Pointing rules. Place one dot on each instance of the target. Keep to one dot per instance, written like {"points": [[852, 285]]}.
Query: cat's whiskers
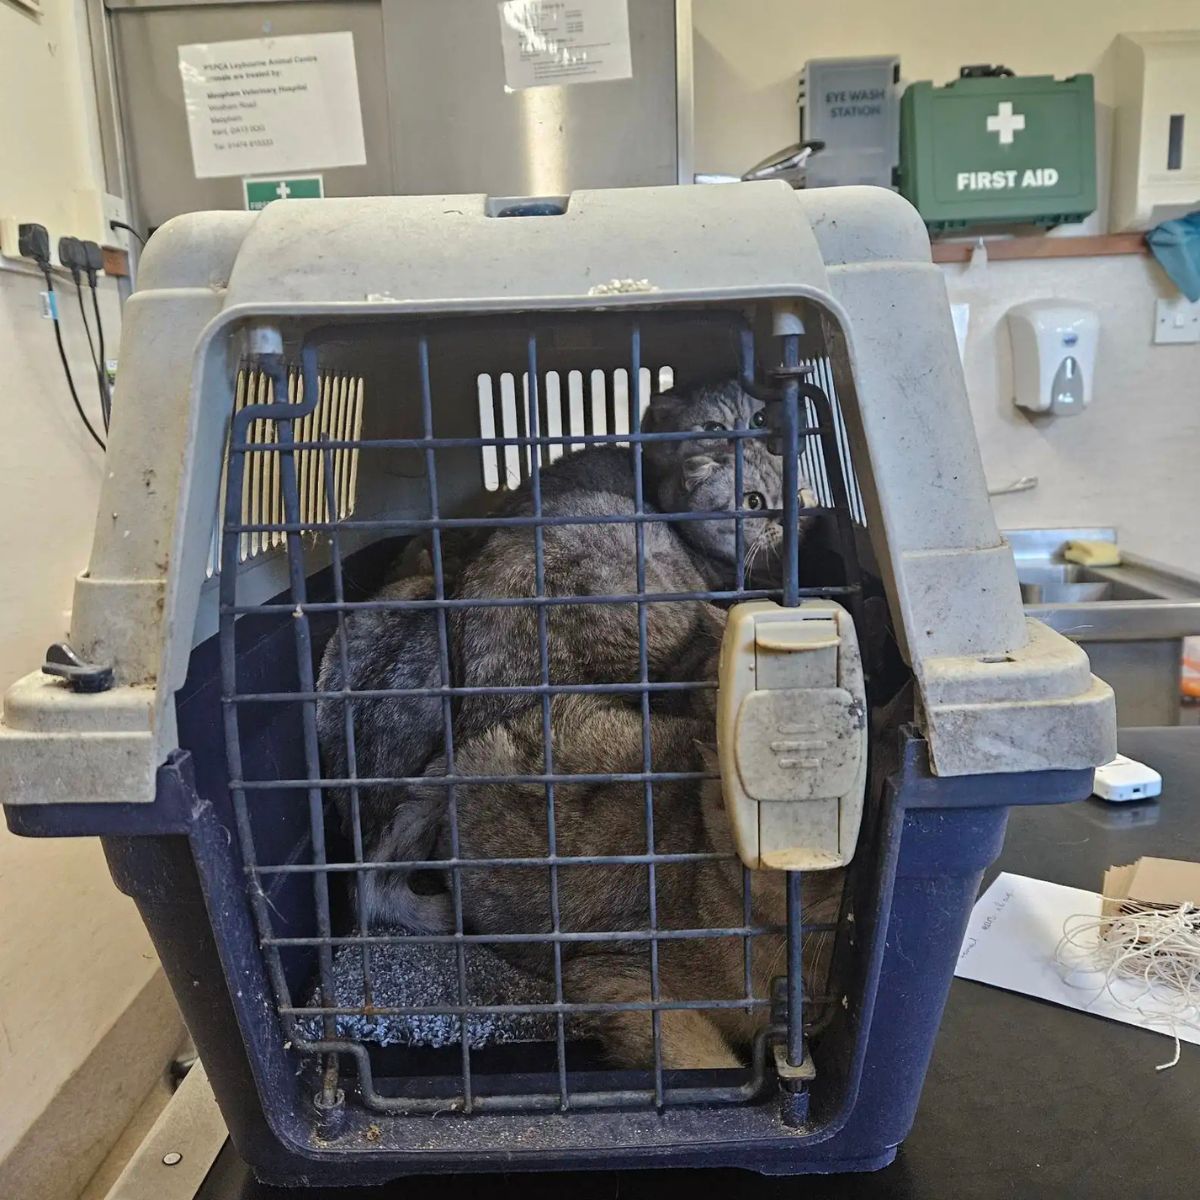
{"points": [[756, 546]]}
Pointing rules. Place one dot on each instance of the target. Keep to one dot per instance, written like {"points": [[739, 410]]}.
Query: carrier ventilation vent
{"points": [[336, 418], [812, 464], [593, 402], [597, 402]]}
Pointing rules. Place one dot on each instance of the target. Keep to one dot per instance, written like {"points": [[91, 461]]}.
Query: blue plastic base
{"points": [[917, 887]]}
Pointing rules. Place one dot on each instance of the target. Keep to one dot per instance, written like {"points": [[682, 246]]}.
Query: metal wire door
{"points": [[802, 426]]}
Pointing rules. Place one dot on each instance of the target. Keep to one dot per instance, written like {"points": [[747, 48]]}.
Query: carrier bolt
{"points": [[264, 339], [793, 1078], [172, 1159], [324, 1105], [332, 1113], [786, 321]]}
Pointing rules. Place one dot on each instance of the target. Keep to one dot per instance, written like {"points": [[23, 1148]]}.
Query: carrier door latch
{"points": [[792, 734]]}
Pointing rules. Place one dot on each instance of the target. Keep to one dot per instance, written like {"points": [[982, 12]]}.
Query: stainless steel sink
{"points": [[1070, 583], [1131, 619]]}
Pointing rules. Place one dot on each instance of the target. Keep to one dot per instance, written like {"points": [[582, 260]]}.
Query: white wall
{"points": [[749, 53], [1131, 460], [51, 468], [76, 966], [49, 143]]}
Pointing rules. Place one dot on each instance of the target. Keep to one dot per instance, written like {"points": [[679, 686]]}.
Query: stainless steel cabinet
{"points": [[437, 117]]}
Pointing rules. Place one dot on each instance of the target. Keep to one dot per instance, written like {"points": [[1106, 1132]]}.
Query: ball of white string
{"points": [[1156, 948]]}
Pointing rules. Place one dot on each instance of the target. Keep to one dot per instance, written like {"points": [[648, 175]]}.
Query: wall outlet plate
{"points": [[1176, 321], [9, 237], [114, 210]]}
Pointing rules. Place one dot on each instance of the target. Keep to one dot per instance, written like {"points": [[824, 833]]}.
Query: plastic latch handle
{"points": [[792, 734]]}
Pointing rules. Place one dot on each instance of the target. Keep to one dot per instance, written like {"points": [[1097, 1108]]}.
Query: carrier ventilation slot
{"points": [[337, 417], [591, 403], [811, 461], [598, 403]]}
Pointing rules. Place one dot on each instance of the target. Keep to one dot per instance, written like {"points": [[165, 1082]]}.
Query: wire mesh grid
{"points": [[802, 427]]}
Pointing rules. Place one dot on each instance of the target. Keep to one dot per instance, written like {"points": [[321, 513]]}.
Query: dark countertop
{"points": [[1023, 1099]]}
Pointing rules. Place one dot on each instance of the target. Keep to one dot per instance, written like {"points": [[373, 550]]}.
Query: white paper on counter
{"points": [[551, 42], [1011, 941], [263, 106]]}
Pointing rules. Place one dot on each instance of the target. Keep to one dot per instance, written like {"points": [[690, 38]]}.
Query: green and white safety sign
{"points": [[259, 193]]}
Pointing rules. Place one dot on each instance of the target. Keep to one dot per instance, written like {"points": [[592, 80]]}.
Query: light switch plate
{"points": [[1176, 321]]}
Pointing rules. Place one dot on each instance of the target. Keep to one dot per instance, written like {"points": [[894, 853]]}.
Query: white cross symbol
{"points": [[1005, 122], [283, 191]]}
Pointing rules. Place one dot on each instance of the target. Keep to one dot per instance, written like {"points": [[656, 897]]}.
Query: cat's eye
{"points": [[759, 419], [755, 500], [713, 427]]}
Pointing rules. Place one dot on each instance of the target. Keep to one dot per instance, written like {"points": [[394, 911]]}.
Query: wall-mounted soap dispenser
{"points": [[1053, 354]]}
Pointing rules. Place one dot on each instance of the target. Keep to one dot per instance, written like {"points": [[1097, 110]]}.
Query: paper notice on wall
{"points": [[551, 42], [265, 106]]}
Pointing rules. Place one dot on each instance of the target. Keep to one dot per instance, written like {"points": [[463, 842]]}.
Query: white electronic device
{"points": [[1126, 779]]}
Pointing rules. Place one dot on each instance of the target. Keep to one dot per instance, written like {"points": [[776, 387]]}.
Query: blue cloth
{"points": [[1176, 245]]}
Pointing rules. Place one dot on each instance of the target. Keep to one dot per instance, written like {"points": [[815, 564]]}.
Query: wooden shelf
{"points": [[1041, 246]]}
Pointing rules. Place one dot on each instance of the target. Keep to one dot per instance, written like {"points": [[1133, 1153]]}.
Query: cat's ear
{"points": [[697, 469], [424, 563], [664, 413]]}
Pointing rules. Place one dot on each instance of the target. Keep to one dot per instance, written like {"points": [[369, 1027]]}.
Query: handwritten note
{"points": [[1011, 940], [266, 106]]}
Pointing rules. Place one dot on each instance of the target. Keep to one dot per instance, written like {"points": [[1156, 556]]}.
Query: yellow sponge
{"points": [[1092, 553]]}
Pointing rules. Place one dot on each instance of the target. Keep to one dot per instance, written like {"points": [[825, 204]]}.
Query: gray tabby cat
{"points": [[393, 737], [588, 643], [599, 642], [508, 820]]}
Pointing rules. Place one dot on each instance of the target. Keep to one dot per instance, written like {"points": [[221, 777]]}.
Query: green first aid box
{"points": [[999, 150]]}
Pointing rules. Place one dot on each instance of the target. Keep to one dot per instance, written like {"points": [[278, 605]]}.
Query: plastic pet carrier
{"points": [[722, 714]]}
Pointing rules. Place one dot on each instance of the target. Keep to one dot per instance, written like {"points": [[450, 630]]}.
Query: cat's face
{"points": [[700, 476]]}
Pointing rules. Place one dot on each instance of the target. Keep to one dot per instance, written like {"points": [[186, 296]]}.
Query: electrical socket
{"points": [[10, 242], [1176, 321]]}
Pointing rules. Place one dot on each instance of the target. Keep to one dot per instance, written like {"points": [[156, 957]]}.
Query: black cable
{"points": [[100, 387], [87, 328], [107, 395], [62, 354], [128, 229]]}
